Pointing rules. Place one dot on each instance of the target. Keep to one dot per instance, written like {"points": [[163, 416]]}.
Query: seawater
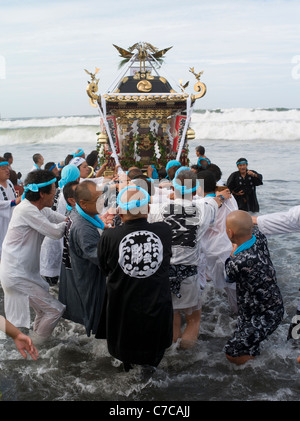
{"points": [[73, 367]]}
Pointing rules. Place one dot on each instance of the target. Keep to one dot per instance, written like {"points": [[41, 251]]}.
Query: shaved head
{"points": [[133, 194], [240, 223], [84, 191]]}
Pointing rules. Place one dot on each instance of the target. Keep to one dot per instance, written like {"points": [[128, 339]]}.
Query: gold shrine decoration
{"points": [[199, 86], [142, 75], [92, 87], [144, 51], [182, 87], [144, 86], [190, 134], [117, 97], [90, 90], [145, 143], [103, 138], [143, 114], [197, 75]]}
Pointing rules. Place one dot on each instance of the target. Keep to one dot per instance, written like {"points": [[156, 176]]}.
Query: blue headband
{"points": [[133, 203], [183, 189], [242, 162], [68, 173], [51, 168], [79, 153], [4, 163], [35, 187], [154, 173]]}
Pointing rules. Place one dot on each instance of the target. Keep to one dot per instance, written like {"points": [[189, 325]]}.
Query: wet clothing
{"points": [[260, 304], [188, 221], [215, 250], [216, 246], [280, 222], [82, 282], [68, 292], [51, 250], [248, 201], [20, 268], [138, 321]]}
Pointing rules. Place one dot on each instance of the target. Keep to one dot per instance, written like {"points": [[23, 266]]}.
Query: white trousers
{"points": [[48, 312]]}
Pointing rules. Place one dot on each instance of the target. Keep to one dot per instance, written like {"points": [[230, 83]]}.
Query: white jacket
{"points": [[20, 262]]}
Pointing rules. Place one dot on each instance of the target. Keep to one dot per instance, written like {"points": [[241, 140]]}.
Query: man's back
{"points": [[255, 277], [138, 321], [88, 281], [188, 222]]}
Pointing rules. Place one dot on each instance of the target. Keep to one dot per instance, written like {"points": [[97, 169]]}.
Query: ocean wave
{"points": [[68, 121], [247, 124], [235, 124], [252, 114], [49, 135]]}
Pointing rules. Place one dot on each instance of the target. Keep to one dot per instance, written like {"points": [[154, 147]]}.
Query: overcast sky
{"points": [[249, 50]]}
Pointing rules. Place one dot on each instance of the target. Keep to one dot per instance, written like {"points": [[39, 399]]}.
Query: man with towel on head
{"points": [[242, 184], [85, 170], [22, 283], [137, 317]]}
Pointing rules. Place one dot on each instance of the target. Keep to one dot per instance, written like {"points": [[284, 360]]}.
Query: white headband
{"points": [[76, 161]]}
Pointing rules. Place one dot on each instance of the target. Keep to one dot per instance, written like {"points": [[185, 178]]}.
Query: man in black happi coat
{"points": [[242, 184], [137, 319]]}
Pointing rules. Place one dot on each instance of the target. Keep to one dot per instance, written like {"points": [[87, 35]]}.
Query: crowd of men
{"points": [[131, 254]]}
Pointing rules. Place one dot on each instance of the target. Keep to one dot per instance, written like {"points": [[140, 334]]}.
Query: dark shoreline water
{"points": [[76, 368]]}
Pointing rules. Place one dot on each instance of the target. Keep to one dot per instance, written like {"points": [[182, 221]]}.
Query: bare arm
{"points": [[101, 170], [23, 342]]}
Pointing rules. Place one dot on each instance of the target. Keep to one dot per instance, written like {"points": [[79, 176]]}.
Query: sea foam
{"points": [[236, 124], [247, 124]]}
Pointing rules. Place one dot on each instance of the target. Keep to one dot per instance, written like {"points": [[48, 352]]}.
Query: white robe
{"points": [[6, 209], [98, 180], [20, 263], [217, 247], [160, 195], [280, 222], [51, 250], [206, 212], [184, 254], [34, 168]]}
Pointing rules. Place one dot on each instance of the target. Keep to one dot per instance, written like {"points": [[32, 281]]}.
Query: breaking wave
{"points": [[241, 124], [245, 124]]}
